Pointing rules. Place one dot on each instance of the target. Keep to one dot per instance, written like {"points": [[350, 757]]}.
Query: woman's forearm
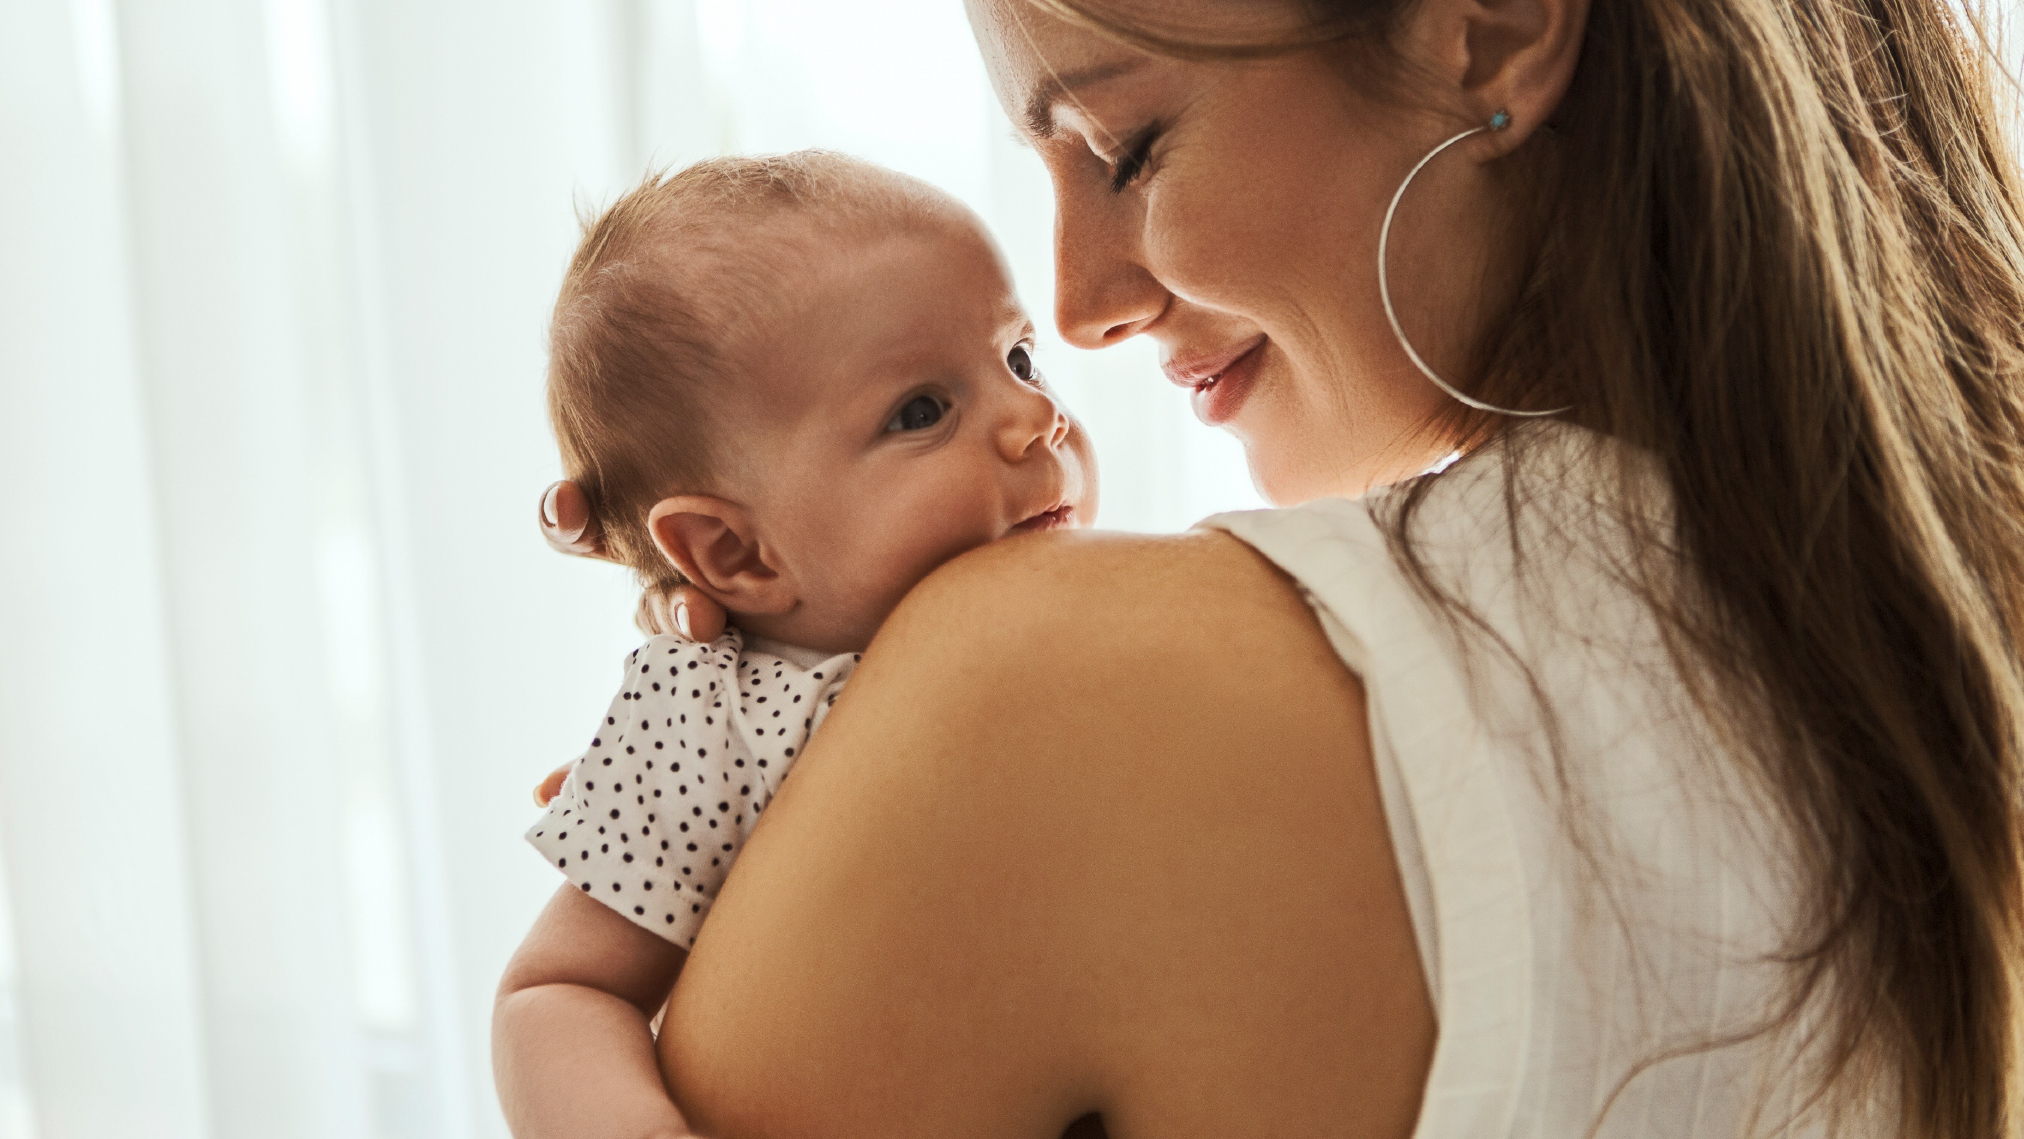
{"points": [[573, 1062]]}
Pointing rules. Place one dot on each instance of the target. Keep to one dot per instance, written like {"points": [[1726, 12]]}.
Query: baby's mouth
{"points": [[1058, 517]]}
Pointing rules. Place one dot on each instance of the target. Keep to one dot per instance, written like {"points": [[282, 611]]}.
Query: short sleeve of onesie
{"points": [[692, 749]]}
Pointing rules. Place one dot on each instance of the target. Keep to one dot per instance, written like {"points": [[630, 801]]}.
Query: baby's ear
{"points": [[715, 545]]}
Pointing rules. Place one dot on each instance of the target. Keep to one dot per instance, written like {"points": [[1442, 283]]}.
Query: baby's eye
{"points": [[1020, 360], [917, 414]]}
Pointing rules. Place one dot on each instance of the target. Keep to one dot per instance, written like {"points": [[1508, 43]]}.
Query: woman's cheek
{"points": [[1208, 244], [1189, 259]]}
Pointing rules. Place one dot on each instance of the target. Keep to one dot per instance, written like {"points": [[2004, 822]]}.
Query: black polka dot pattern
{"points": [[694, 747]]}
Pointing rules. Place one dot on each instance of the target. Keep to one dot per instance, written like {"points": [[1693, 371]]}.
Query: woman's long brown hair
{"points": [[1782, 254]]}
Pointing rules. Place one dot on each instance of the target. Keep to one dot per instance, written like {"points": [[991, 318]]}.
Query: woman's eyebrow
{"points": [[1040, 105]]}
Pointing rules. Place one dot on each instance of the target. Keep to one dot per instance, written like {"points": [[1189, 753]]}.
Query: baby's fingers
{"points": [[550, 787]]}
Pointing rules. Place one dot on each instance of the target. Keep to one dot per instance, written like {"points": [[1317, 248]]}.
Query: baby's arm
{"points": [[652, 816], [571, 1050]]}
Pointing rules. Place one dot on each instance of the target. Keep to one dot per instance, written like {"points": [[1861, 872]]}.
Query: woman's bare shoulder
{"points": [[1084, 599], [1094, 827]]}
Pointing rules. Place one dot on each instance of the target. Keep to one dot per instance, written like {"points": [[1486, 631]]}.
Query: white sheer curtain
{"points": [[280, 652]]}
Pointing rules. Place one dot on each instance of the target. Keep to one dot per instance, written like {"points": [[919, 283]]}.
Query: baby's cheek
{"points": [[940, 536], [915, 535]]}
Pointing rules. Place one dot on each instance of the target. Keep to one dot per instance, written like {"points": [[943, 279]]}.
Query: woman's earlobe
{"points": [[715, 544]]}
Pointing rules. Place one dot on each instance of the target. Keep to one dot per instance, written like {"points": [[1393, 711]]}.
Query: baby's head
{"points": [[801, 383]]}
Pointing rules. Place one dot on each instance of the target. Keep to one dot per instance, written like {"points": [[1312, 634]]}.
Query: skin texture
{"points": [[1095, 826]]}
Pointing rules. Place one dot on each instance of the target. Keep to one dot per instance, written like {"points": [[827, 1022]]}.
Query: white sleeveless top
{"points": [[1592, 928]]}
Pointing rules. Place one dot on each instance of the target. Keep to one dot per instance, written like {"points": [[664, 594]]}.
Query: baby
{"points": [[798, 384]]}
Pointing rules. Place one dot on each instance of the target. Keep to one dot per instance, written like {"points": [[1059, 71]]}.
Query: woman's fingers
{"points": [[682, 611], [654, 617], [570, 526], [550, 787], [697, 616], [567, 522]]}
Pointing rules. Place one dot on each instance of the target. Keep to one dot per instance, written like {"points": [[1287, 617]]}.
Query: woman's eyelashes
{"points": [[1132, 162]]}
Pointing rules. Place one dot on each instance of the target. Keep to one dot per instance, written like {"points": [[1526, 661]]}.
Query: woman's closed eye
{"points": [[1132, 162], [918, 413]]}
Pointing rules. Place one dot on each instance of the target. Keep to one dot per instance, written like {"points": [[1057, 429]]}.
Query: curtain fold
{"points": [[110, 1028]]}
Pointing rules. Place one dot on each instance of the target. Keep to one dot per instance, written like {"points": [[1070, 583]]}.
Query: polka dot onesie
{"points": [[692, 749]]}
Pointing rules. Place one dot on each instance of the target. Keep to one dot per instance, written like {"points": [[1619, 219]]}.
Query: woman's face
{"points": [[1230, 210]]}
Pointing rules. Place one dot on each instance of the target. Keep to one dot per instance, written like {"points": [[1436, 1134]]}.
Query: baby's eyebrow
{"points": [[1015, 315]]}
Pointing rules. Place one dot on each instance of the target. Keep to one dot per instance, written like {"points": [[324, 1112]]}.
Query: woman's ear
{"points": [[1522, 55], [714, 543], [1515, 56]]}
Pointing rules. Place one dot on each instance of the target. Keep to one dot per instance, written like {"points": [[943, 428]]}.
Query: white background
{"points": [[280, 651]]}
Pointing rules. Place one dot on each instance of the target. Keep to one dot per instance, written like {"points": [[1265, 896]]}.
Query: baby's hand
{"points": [[550, 787]]}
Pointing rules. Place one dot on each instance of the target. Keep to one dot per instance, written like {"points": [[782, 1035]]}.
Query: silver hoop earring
{"points": [[1497, 122]]}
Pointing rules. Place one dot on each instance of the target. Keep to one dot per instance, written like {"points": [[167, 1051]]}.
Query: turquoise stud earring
{"points": [[1500, 120]]}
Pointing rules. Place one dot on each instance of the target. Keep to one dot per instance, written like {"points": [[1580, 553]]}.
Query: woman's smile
{"points": [[1219, 381]]}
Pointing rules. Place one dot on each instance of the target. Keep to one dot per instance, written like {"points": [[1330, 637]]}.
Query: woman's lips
{"points": [[1220, 382]]}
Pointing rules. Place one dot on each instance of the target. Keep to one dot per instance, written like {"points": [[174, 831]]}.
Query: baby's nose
{"points": [[1034, 422]]}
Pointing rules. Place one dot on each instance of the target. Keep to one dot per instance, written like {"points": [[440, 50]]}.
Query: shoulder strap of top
{"points": [[1453, 801]]}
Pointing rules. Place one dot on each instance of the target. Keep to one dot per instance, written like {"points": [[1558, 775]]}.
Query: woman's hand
{"points": [[567, 522], [569, 526], [681, 611]]}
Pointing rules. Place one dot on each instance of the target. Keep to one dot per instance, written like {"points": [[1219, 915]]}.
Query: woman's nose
{"points": [[1102, 291]]}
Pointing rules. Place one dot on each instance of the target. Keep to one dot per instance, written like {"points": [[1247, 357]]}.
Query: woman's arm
{"points": [[1095, 827], [571, 1053]]}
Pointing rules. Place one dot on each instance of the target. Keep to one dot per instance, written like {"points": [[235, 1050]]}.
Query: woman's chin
{"points": [[1290, 466], [1292, 461], [1282, 484]]}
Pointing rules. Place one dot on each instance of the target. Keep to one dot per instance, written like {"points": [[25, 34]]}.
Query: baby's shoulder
{"points": [[761, 663], [732, 671], [669, 681]]}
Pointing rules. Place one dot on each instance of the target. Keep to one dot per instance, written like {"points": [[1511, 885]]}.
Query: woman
{"points": [[1652, 768]]}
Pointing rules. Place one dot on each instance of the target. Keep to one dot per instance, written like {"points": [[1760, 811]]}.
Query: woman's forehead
{"points": [[1037, 56], [1029, 51]]}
